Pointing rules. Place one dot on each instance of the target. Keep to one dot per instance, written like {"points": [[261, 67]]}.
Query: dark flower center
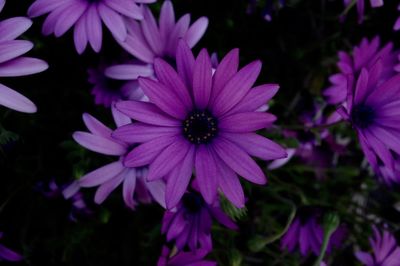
{"points": [[200, 127], [93, 1], [362, 115], [192, 202]]}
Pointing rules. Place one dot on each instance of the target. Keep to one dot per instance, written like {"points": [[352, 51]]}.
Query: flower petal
{"points": [[185, 63], [22, 66], [95, 126], [206, 173], [202, 80], [13, 27], [99, 144], [246, 122], [138, 132], [113, 22], [196, 31], [16, 101], [128, 188], [101, 175]]}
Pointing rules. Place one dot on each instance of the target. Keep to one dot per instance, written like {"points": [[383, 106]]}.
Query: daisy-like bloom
{"points": [[106, 90], [13, 65], [190, 224], [385, 250], [87, 17], [196, 120], [361, 6], [365, 55], [307, 233], [148, 40], [110, 176], [7, 254], [372, 108], [191, 258]]}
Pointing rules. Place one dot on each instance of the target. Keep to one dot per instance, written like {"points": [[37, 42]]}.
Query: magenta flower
{"points": [[87, 17], [106, 90], [385, 250], [365, 55], [361, 6], [307, 233], [110, 176], [196, 120], [190, 224], [146, 40], [6, 253], [13, 65], [373, 108], [191, 258]]}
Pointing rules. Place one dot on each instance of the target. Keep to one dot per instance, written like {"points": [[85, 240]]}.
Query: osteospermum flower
{"points": [[87, 17], [106, 90], [361, 6], [13, 65], [180, 258], [196, 120], [112, 175], [148, 40], [385, 250], [6, 253], [373, 109], [365, 55], [307, 234], [190, 224]]}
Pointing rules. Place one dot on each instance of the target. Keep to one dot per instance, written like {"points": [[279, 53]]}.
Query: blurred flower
{"points": [[306, 232], [372, 108], [106, 90], [13, 65], [6, 253], [196, 120], [268, 7], [365, 55], [191, 258], [361, 6], [385, 250], [146, 40], [397, 23], [110, 176], [87, 16], [190, 223]]}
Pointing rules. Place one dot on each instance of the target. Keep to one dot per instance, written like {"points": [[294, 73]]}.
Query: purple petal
{"points": [[69, 17], [127, 8], [95, 126], [365, 258], [22, 66], [151, 32], [223, 218], [8, 254], [206, 173], [177, 33], [113, 22], [16, 101], [120, 119], [185, 63], [13, 27], [42, 7], [93, 28], [362, 86], [80, 36], [129, 71], [99, 144], [246, 122], [202, 80], [196, 31], [157, 191], [167, 19], [128, 188], [101, 175], [51, 20], [106, 188], [137, 48], [138, 132]]}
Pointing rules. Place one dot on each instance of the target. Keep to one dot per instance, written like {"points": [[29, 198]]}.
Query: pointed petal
{"points": [[99, 144], [16, 101], [101, 175], [202, 80], [206, 173]]}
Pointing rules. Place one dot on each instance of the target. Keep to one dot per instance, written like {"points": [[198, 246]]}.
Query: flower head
{"points": [[87, 17], [190, 224], [12, 64], [180, 258], [6, 253], [385, 250], [365, 55], [195, 119], [112, 175]]}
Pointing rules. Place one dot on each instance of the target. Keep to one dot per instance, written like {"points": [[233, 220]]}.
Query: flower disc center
{"points": [[362, 115], [200, 127]]}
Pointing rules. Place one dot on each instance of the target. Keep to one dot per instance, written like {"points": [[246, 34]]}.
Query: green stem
{"points": [[331, 223]]}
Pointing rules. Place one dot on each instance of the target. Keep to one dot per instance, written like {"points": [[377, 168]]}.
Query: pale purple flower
{"points": [[373, 108], [365, 55], [361, 6], [202, 122], [189, 224], [148, 40], [110, 176], [386, 252], [7, 254], [181, 258], [12, 64], [87, 18], [306, 233]]}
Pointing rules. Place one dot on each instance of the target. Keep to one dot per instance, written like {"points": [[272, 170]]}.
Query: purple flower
{"points": [[87, 16], [190, 223], [147, 41], [191, 258], [106, 90], [386, 251], [6, 253], [397, 23], [110, 176], [196, 120], [361, 6], [372, 108], [365, 55], [307, 233], [13, 65]]}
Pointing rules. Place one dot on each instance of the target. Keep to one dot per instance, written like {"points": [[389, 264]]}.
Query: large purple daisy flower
{"points": [[87, 17], [146, 40], [112, 175], [196, 120], [6, 253], [307, 233], [191, 258], [385, 250], [373, 110], [13, 65], [366, 54], [190, 224]]}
